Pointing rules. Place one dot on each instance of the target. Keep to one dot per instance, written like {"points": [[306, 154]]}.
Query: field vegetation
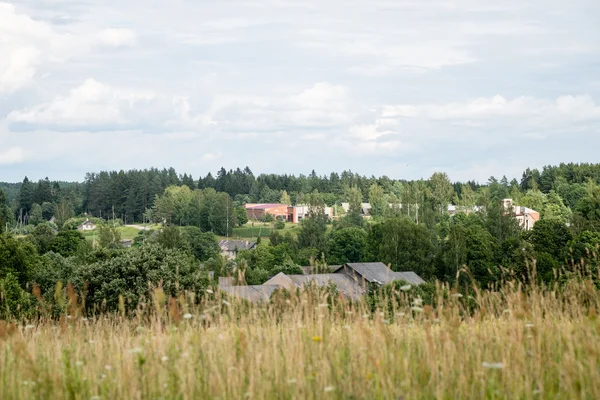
{"points": [[513, 341]]}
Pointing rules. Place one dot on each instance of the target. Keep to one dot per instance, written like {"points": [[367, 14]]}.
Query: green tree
{"points": [[242, 215], [5, 214], [108, 236], [17, 257], [35, 216], [347, 245], [43, 236], [285, 198], [402, 244], [203, 245], [313, 228], [354, 216], [67, 243], [441, 190], [379, 204], [551, 237], [47, 210]]}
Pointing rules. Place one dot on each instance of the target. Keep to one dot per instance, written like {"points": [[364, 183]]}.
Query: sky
{"points": [[402, 88]]}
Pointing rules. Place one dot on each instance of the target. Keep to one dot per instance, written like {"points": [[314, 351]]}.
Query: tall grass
{"points": [[515, 342]]}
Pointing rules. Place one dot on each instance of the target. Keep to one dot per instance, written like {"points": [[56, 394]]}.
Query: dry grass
{"points": [[513, 343]]}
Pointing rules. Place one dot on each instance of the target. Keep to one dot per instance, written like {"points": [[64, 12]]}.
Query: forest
{"points": [[409, 229]]}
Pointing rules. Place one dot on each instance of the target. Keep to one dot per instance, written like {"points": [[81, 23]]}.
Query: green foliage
{"points": [[347, 245], [43, 237], [402, 244], [108, 236], [17, 257], [203, 245], [551, 237], [14, 301], [288, 267], [35, 215], [129, 272], [279, 224], [171, 237], [242, 216], [67, 243]]}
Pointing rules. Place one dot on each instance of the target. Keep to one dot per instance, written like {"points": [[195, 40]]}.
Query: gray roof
{"points": [[231, 245], [376, 272], [309, 269], [344, 283], [225, 281], [409, 277], [253, 293]]}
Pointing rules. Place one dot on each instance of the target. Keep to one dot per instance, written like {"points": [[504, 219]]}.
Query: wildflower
{"points": [[135, 350], [329, 389], [91, 341], [418, 302], [381, 314], [209, 291], [365, 316], [29, 326], [78, 363], [164, 359], [405, 288], [529, 325], [347, 327], [140, 329], [108, 367], [417, 309], [386, 321], [291, 381], [317, 339], [226, 303], [492, 365], [84, 319], [457, 295]]}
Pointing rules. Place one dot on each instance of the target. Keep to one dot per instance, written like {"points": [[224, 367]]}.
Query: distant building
{"points": [[87, 225], [526, 216], [365, 209], [230, 248], [298, 213], [350, 279], [127, 243], [256, 212]]}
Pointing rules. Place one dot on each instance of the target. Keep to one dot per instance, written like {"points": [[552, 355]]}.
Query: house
{"points": [[352, 280], [230, 248], [256, 212], [365, 209], [526, 216], [297, 213], [87, 225], [126, 243]]}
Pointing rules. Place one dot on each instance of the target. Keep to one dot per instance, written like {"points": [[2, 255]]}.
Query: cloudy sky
{"points": [[396, 87]]}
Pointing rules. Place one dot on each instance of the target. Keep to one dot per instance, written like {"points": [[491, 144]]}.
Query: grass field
{"points": [[508, 344], [127, 232]]}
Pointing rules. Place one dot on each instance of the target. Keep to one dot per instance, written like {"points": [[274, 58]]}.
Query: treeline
{"points": [[127, 195]]}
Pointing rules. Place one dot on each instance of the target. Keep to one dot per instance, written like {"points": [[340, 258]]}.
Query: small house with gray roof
{"points": [[352, 280], [230, 248]]}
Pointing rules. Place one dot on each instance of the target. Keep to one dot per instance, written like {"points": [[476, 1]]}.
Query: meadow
{"points": [[514, 342]]}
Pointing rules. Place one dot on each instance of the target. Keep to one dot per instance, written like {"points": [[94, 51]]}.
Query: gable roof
{"points": [[253, 293], [307, 270], [344, 283], [376, 272], [408, 276]]}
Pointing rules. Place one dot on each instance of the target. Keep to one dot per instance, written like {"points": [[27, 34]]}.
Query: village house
{"points": [[350, 279], [297, 213], [256, 212], [87, 225], [230, 248]]}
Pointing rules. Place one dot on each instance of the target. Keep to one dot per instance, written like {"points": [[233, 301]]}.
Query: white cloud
{"points": [[566, 108], [117, 37], [91, 105], [13, 155]]}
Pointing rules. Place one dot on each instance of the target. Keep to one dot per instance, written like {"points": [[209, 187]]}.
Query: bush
{"points": [[279, 224]]}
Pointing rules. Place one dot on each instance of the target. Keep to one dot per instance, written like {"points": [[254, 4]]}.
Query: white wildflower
{"points": [[329, 389], [291, 381], [135, 350], [29, 326], [209, 291], [418, 302], [529, 325], [226, 303], [323, 305], [457, 295], [187, 316], [79, 363], [492, 365], [164, 359], [108, 367], [417, 309], [405, 288]]}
